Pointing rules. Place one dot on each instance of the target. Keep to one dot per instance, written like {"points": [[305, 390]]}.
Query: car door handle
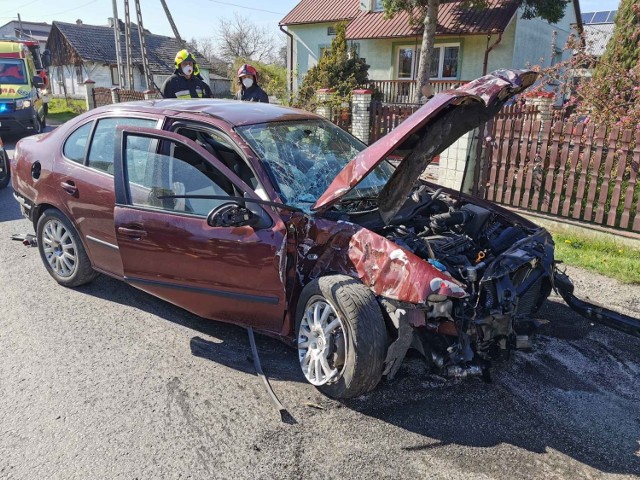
{"points": [[69, 187], [132, 232]]}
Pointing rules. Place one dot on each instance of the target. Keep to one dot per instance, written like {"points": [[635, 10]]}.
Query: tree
{"points": [[339, 67], [240, 38], [271, 76], [426, 11], [205, 46]]}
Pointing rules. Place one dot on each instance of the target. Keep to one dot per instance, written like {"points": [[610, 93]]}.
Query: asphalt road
{"points": [[105, 381]]}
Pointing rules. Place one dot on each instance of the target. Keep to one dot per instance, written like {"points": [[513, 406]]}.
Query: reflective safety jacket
{"points": [[178, 86]]}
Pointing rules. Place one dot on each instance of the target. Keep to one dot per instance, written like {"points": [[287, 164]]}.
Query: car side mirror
{"points": [[231, 214], [38, 82]]}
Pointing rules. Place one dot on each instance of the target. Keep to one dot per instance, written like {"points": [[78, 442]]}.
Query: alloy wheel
{"points": [[322, 346], [59, 248]]}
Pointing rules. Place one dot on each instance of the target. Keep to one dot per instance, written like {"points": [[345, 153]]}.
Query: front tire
{"points": [[341, 336], [61, 250]]}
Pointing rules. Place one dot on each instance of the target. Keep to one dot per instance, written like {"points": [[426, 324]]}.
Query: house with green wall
{"points": [[469, 42]]}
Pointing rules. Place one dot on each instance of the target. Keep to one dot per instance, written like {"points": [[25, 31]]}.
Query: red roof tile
{"points": [[316, 11], [452, 18]]}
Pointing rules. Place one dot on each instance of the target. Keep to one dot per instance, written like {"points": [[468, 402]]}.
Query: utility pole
{"points": [[127, 40], [173, 25], [21, 29], [116, 34], [143, 48]]}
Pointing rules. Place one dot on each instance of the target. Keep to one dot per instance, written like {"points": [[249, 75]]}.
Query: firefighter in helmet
{"points": [[250, 91], [185, 81]]}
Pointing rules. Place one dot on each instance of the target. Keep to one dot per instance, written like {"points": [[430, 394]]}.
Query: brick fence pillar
{"points": [[88, 95], [361, 114], [325, 97], [115, 95], [150, 95], [545, 107], [454, 160]]}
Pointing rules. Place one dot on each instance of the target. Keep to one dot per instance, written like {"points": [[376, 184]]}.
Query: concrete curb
{"points": [[566, 225]]}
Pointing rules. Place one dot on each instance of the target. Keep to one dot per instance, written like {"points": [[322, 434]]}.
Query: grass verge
{"points": [[601, 256], [61, 109]]}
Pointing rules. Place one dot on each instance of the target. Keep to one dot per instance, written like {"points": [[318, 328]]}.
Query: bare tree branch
{"points": [[239, 37]]}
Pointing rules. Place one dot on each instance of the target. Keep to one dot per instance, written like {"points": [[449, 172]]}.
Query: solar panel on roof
{"points": [[586, 17], [612, 16], [600, 17]]}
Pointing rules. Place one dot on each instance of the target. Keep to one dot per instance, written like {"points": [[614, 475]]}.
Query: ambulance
{"points": [[22, 97]]}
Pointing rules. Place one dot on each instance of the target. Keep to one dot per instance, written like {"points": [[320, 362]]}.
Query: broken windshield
{"points": [[304, 156]]}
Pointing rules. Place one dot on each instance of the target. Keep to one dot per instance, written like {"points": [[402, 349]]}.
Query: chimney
{"points": [[367, 5], [110, 22], [79, 22]]}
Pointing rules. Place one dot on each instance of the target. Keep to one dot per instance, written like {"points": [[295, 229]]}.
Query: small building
{"points": [[220, 86], [469, 42], [598, 30], [80, 52], [35, 30]]}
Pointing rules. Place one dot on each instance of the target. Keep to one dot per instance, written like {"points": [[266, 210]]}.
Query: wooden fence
{"points": [[104, 96], [385, 118], [569, 169]]}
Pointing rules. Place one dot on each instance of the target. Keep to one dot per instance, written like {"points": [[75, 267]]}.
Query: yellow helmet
{"points": [[184, 56]]}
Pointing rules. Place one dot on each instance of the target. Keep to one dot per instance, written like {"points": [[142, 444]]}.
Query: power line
{"points": [[71, 9], [247, 8]]}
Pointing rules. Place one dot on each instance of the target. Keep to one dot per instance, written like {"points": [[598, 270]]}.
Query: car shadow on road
{"points": [[227, 344], [534, 402], [9, 208]]}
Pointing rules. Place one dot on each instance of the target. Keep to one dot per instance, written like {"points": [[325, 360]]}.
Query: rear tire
{"points": [[5, 172], [341, 336], [61, 250]]}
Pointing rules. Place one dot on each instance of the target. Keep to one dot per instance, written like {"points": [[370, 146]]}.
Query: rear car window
{"points": [[76, 143], [101, 152]]}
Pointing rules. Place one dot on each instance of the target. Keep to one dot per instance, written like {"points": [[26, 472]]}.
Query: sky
{"points": [[194, 18]]}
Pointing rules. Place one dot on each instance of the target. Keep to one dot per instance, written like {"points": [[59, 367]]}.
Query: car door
{"points": [[86, 186], [167, 248]]}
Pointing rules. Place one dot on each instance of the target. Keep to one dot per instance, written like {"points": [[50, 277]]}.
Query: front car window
{"points": [[12, 72], [177, 171], [303, 157]]}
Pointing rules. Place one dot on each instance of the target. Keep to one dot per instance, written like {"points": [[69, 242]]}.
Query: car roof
{"points": [[234, 112]]}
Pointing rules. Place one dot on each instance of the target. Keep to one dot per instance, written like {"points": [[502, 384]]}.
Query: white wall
{"points": [[101, 74]]}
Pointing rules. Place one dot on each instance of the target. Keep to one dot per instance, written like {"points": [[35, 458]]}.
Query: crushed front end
{"points": [[506, 271]]}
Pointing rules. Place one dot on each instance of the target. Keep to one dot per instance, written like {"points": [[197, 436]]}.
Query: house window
{"points": [[444, 62], [79, 75], [377, 6], [115, 76], [331, 31]]}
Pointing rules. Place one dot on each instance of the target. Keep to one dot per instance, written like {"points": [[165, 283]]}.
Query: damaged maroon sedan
{"points": [[275, 219]]}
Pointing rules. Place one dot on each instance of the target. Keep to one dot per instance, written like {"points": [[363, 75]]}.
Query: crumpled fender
{"points": [[387, 269]]}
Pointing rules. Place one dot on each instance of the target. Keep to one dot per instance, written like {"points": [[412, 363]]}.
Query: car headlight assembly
{"points": [[23, 103]]}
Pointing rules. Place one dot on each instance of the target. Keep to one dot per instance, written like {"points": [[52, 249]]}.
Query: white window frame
{"points": [[79, 74], [115, 75], [415, 60]]}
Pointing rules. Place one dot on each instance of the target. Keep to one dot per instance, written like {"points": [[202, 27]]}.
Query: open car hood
{"points": [[425, 134]]}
